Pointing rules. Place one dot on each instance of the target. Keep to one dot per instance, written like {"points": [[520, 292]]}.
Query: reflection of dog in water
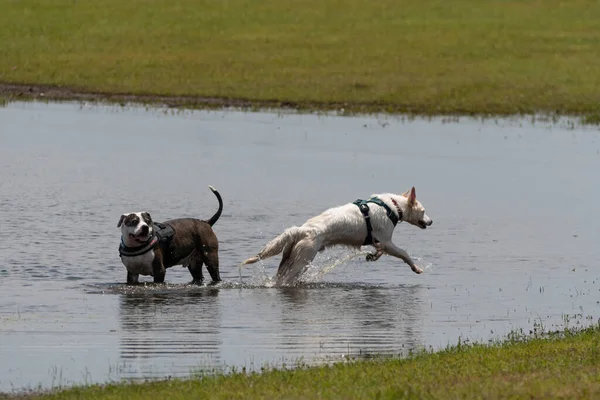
{"points": [[364, 222], [157, 324]]}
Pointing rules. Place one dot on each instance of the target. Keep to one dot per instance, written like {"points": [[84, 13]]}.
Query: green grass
{"points": [[565, 365], [424, 57]]}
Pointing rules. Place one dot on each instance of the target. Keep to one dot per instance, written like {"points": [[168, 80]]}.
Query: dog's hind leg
{"points": [[211, 259], [194, 264], [289, 272], [391, 249], [286, 262], [196, 271], [300, 255], [285, 256]]}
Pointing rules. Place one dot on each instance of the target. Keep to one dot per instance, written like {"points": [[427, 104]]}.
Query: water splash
{"points": [[424, 267], [316, 273], [259, 277]]}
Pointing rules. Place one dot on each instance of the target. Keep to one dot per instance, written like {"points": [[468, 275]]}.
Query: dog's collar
{"points": [[161, 232], [399, 210], [138, 250]]}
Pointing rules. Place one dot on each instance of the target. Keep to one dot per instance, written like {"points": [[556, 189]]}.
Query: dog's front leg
{"points": [[158, 270], [376, 254], [132, 279], [393, 250]]}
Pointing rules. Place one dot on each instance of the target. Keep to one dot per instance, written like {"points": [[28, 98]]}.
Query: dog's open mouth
{"points": [[422, 225], [141, 238]]}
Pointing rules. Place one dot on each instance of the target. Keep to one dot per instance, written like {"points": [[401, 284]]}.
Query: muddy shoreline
{"points": [[37, 92], [22, 91]]}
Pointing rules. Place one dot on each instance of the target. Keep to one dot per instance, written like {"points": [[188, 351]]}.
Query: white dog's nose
{"points": [[425, 222]]}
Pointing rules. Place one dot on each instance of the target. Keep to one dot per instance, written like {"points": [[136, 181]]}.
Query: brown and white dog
{"points": [[346, 225], [149, 248]]}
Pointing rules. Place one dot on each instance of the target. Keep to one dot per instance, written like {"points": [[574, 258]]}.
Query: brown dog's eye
{"points": [[131, 220]]}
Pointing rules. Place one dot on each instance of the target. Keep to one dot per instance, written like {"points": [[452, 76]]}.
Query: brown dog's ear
{"points": [[412, 196], [146, 216], [121, 220], [405, 194]]}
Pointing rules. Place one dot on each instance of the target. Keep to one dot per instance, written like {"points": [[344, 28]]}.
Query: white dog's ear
{"points": [[121, 220], [409, 193], [412, 196]]}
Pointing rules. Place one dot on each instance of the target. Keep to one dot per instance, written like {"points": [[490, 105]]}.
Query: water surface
{"points": [[513, 245]]}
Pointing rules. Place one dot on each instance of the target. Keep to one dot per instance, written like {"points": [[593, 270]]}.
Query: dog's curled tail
{"points": [[215, 217], [288, 238]]}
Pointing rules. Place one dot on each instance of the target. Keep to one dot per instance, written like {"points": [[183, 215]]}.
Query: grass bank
{"points": [[422, 57], [561, 365]]}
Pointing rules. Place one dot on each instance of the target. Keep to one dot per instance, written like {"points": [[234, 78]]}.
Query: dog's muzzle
{"points": [[141, 238], [143, 234], [424, 224]]}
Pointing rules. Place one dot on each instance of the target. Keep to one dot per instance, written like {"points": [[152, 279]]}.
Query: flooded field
{"points": [[513, 246]]}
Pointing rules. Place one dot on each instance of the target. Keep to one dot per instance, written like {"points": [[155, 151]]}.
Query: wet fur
{"points": [[343, 225]]}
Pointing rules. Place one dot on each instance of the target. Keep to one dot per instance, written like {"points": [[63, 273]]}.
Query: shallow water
{"points": [[513, 245]]}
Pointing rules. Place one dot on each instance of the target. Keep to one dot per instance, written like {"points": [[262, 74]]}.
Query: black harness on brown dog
{"points": [[364, 209], [161, 233]]}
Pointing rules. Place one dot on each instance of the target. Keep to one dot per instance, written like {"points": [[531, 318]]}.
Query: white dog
{"points": [[364, 222]]}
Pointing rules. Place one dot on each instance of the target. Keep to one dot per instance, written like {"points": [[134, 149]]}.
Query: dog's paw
{"points": [[417, 270], [374, 256], [251, 260]]}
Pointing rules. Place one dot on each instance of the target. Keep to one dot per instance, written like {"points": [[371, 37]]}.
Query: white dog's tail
{"points": [[288, 238]]}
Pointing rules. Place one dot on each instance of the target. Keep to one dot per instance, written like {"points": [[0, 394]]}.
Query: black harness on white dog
{"points": [[161, 233], [364, 209]]}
